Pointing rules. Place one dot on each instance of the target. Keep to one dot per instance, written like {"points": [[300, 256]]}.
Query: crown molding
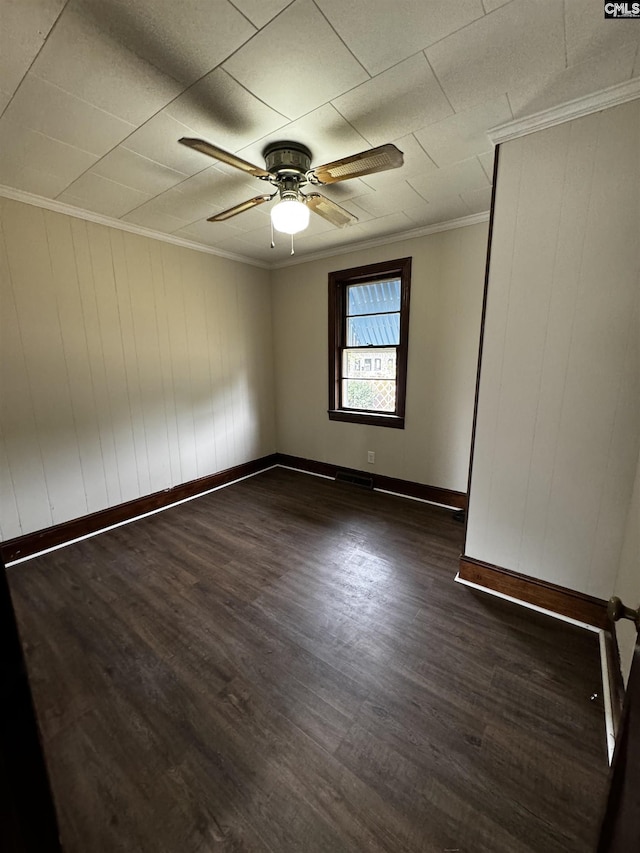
{"points": [[130, 227], [100, 219], [424, 231], [611, 97]]}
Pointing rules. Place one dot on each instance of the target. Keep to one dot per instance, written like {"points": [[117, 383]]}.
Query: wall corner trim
{"points": [[611, 97], [549, 596]]}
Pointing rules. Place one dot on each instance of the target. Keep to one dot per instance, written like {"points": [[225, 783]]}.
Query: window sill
{"points": [[368, 418]]}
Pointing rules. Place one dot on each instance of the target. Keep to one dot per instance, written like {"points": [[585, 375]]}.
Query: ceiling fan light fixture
{"points": [[290, 216]]}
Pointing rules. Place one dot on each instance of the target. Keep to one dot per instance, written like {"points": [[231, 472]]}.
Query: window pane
{"points": [[369, 363], [377, 395], [373, 329], [373, 298]]}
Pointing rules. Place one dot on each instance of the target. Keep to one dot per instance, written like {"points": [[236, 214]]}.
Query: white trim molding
{"points": [[423, 231], [100, 219], [611, 97]]}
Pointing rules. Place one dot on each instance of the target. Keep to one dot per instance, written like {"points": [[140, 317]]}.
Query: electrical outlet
{"points": [[371, 456]]}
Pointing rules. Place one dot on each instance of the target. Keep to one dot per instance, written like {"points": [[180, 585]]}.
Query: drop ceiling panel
{"points": [[524, 39], [390, 200], [154, 219], [260, 12], [396, 102], [409, 26], [186, 40], [23, 30], [5, 97], [222, 111], [603, 69], [209, 233], [38, 182], [102, 195], [158, 140], [465, 134], [492, 5], [297, 62], [588, 32], [55, 113], [23, 148], [133, 170], [79, 58], [478, 201], [451, 180], [442, 210]]}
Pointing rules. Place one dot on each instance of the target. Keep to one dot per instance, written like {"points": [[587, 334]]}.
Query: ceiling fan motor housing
{"points": [[287, 159]]}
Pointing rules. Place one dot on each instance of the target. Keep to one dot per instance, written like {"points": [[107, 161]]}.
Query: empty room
{"points": [[320, 426]]}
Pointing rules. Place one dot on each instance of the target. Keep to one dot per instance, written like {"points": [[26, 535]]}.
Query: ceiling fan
{"points": [[288, 169]]}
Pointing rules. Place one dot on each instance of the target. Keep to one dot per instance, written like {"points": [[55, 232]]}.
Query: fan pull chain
{"points": [[292, 252], [273, 245]]}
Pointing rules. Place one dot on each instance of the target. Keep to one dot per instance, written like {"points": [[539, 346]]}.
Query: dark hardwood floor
{"points": [[286, 665]]}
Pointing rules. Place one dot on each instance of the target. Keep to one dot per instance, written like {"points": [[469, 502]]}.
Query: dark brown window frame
{"points": [[338, 282]]}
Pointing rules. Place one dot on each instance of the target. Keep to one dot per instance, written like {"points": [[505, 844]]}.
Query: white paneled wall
{"points": [[128, 366], [446, 299], [558, 427]]}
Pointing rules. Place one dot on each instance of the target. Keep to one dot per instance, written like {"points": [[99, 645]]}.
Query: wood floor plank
{"points": [[286, 666]]}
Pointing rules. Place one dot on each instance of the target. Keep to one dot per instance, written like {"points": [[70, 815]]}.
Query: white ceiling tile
{"points": [[5, 97], [104, 196], [492, 5], [324, 131], [260, 12], [186, 40], [522, 40], [211, 233], [389, 200], [451, 180], [587, 31], [131, 169], [464, 134], [37, 182], [598, 72], [87, 62], [24, 27], [396, 102], [23, 148], [204, 194], [486, 161], [158, 140], [296, 62], [382, 225], [636, 66], [442, 210], [477, 201], [53, 112], [383, 34], [154, 219], [222, 111]]}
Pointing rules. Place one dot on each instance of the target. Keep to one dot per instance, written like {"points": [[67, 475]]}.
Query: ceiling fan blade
{"points": [[230, 159], [329, 210], [366, 163], [240, 208]]}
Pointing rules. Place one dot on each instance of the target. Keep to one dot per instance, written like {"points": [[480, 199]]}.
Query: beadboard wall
{"points": [[558, 421], [128, 366]]}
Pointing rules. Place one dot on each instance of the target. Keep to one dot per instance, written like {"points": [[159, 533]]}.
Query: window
{"points": [[368, 332]]}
